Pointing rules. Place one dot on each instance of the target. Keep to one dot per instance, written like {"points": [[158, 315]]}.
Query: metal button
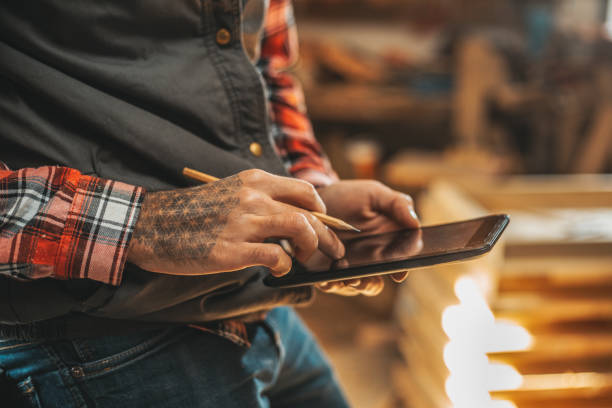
{"points": [[223, 36], [255, 148], [77, 372]]}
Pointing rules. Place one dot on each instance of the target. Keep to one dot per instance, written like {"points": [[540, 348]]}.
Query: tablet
{"points": [[399, 251]]}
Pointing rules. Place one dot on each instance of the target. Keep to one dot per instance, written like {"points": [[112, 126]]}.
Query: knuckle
{"points": [[295, 221], [311, 219], [276, 257], [308, 190], [249, 195], [302, 220], [299, 225], [264, 255], [253, 175], [250, 220], [376, 184], [314, 223], [274, 253]]}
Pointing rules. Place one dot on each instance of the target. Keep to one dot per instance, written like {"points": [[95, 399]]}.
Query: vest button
{"points": [[255, 148], [223, 36]]}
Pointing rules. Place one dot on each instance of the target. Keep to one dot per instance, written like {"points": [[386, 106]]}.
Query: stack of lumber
{"points": [[542, 334]]}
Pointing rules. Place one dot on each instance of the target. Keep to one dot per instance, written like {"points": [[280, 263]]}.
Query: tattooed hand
{"points": [[222, 226]]}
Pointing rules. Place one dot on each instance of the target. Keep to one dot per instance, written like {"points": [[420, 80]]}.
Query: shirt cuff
{"points": [[98, 229]]}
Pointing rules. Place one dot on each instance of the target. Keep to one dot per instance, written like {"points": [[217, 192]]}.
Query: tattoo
{"points": [[183, 225]]}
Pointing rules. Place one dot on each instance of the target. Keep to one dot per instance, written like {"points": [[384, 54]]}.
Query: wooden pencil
{"points": [[324, 218]]}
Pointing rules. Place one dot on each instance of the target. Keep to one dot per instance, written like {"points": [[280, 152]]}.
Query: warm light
{"points": [[471, 385], [468, 293], [473, 332], [502, 404], [471, 317], [566, 381], [508, 336], [457, 358], [489, 404], [467, 390], [502, 377]]}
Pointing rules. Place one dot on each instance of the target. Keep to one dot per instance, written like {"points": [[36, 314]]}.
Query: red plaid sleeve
{"points": [[58, 223], [291, 128]]}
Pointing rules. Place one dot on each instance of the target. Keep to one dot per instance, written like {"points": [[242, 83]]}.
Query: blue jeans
{"points": [[178, 367]]}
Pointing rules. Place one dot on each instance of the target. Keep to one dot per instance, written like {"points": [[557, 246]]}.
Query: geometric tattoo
{"points": [[184, 224]]}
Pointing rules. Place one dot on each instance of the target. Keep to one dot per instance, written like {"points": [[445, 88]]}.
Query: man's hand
{"points": [[373, 208], [223, 226]]}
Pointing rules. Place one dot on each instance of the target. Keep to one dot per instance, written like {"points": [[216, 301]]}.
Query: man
{"points": [[120, 289]]}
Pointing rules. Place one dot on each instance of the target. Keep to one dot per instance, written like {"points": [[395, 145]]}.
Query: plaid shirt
{"points": [[56, 222], [291, 128]]}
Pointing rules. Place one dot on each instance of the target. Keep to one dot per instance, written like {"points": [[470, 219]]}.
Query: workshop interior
{"points": [[473, 107]]}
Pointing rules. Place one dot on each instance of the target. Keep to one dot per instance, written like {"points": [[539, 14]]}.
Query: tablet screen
{"points": [[401, 245]]}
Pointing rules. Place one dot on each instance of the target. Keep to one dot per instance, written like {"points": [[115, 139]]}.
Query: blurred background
{"points": [[474, 107]]}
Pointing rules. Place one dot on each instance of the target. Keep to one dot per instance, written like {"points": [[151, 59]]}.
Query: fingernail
{"points": [[355, 283], [399, 277], [414, 214], [340, 252], [287, 247]]}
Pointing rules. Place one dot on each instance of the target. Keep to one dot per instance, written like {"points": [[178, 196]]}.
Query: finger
{"points": [[399, 277], [293, 226], [288, 190], [271, 256], [397, 206], [341, 263], [370, 286], [328, 241], [337, 288]]}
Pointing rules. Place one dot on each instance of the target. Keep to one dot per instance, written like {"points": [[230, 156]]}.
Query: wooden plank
{"points": [[565, 301], [555, 352], [554, 273], [584, 390], [532, 308], [417, 169], [585, 190]]}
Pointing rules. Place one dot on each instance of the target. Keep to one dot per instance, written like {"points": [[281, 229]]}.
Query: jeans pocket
{"points": [[28, 392], [104, 355]]}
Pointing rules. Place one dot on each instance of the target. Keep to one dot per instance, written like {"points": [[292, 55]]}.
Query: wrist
{"points": [[317, 178]]}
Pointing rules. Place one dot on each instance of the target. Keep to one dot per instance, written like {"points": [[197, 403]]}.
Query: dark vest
{"points": [[131, 91]]}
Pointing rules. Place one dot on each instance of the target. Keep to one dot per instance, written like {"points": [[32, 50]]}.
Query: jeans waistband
{"points": [[75, 326]]}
